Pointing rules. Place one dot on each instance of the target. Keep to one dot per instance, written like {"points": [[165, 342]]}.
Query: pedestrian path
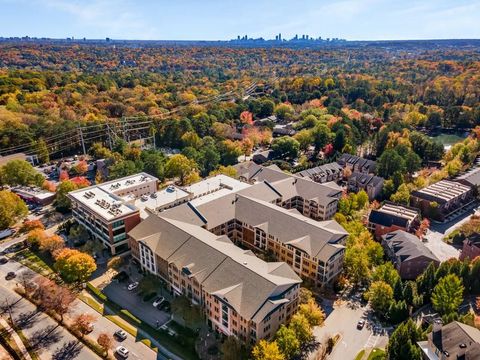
{"points": [[16, 338]]}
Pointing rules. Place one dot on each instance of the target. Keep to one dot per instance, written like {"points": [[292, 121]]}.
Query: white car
{"points": [[158, 300], [122, 335], [122, 351], [133, 285]]}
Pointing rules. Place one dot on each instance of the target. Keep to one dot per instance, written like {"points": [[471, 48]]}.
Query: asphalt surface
{"points": [[101, 324], [343, 320]]}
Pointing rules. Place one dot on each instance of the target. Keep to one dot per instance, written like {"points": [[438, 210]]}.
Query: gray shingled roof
{"points": [[407, 246]]}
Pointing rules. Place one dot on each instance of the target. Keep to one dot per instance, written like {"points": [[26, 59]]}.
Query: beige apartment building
{"points": [[240, 294]]}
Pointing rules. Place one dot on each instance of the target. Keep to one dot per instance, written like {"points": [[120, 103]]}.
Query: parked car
{"points": [[120, 334], [10, 275], [122, 351], [121, 276], [164, 306], [158, 300], [360, 324], [3, 260], [133, 285]]}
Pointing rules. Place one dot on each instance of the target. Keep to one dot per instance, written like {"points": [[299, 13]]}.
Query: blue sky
{"points": [[225, 19]]}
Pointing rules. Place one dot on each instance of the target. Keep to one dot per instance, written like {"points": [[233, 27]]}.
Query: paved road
{"points": [[138, 350], [50, 340], [343, 320]]}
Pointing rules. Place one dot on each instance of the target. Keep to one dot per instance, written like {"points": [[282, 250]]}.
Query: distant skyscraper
{"points": [[280, 37]]}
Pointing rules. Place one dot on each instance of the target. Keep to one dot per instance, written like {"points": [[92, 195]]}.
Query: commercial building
{"points": [[34, 194], [240, 294], [452, 341], [442, 198], [104, 209], [390, 217], [408, 254], [315, 200]]}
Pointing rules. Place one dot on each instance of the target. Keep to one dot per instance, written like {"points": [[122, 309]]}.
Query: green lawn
{"points": [[377, 354], [39, 263], [360, 355]]}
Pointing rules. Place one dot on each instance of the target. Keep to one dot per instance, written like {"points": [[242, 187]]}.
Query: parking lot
{"points": [[133, 302]]}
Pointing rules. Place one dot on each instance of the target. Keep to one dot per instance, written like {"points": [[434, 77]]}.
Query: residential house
{"points": [[390, 217], [471, 247], [323, 173], [357, 164], [373, 185]]}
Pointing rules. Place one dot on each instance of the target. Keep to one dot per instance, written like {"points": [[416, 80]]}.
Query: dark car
{"points": [[3, 260], [121, 276], [360, 324], [164, 306], [10, 275]]}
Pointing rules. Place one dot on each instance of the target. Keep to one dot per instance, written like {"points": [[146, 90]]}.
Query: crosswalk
{"points": [[372, 341]]}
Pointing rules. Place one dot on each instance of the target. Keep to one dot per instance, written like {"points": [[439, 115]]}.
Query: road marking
{"points": [[344, 343]]}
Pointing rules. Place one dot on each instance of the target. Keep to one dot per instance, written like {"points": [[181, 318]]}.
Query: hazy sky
{"points": [[225, 19]]}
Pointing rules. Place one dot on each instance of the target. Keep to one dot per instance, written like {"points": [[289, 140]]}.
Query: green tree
{"points": [[149, 284], [12, 208], [387, 273], [397, 311], [287, 341], [304, 138], [448, 295], [42, 152], [180, 166], [224, 170], [362, 199], [312, 312], [402, 345], [300, 325], [402, 196], [122, 168], [154, 163], [413, 162], [62, 201], [265, 350], [232, 349], [322, 135], [380, 295], [20, 172], [389, 163], [285, 147]]}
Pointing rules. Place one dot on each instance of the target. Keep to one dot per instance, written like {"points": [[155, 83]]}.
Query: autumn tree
{"points": [[300, 325], [265, 350], [305, 295], [12, 208], [312, 312], [224, 170], [81, 167], [52, 244], [115, 262], [35, 238], [402, 196], [424, 226], [73, 265], [53, 297], [105, 341], [448, 295], [83, 323]]}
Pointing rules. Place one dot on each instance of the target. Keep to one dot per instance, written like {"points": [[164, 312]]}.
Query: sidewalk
{"points": [[16, 338]]}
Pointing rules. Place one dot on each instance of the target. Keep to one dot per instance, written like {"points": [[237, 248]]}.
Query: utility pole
{"points": [[80, 131]]}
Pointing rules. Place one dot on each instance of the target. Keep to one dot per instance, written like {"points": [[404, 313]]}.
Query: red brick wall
{"points": [[382, 230], [469, 250]]}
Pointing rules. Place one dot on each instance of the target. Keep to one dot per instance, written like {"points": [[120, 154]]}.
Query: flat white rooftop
{"points": [[106, 205], [127, 182], [398, 210], [30, 191], [161, 199], [213, 188]]}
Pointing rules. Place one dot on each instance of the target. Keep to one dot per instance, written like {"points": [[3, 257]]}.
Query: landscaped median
{"points": [[183, 344]]}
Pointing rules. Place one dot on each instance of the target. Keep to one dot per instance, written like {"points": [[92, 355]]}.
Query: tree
{"points": [[180, 166], [448, 295], [305, 295], [397, 311], [387, 273], [322, 135], [265, 350], [105, 341], [122, 169], [11, 209], [304, 138], [52, 244], [191, 139], [402, 196], [115, 262], [285, 147], [73, 265], [149, 284], [42, 151], [81, 167], [83, 323], [380, 295], [424, 226], [20, 172], [300, 325], [232, 349], [224, 170], [62, 201], [154, 163], [402, 345], [312, 312], [389, 163], [287, 342], [35, 237], [52, 297], [362, 199], [29, 225], [413, 162]]}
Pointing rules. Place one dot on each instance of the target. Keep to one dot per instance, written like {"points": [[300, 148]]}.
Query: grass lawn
{"points": [[40, 263], [377, 354], [360, 355]]}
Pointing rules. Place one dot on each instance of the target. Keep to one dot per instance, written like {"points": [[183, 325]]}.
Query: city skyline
{"points": [[215, 20]]}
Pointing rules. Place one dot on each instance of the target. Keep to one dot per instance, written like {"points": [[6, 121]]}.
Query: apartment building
{"points": [[373, 185], [255, 218], [390, 217], [240, 294], [441, 199], [357, 164], [323, 173], [312, 199], [106, 214]]}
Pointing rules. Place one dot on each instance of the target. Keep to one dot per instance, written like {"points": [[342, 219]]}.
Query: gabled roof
{"points": [[456, 338], [407, 246]]}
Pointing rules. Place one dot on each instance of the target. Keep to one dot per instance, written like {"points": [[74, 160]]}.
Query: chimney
{"points": [[437, 326], [461, 351]]}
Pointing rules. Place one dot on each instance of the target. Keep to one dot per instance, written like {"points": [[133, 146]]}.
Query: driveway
{"points": [[438, 231], [343, 320], [132, 301]]}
